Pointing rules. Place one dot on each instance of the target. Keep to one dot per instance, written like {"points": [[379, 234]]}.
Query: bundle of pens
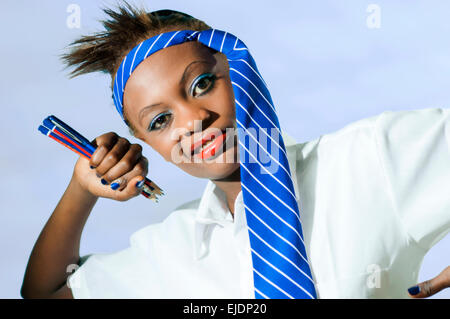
{"points": [[67, 136]]}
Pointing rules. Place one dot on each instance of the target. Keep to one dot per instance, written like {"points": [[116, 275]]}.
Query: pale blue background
{"points": [[324, 67]]}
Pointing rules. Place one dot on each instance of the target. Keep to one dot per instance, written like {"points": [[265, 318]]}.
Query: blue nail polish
{"points": [[140, 184], [414, 290], [92, 167], [104, 182], [115, 186]]}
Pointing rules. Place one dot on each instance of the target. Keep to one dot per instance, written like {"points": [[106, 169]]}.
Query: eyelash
{"points": [[208, 76], [152, 124]]}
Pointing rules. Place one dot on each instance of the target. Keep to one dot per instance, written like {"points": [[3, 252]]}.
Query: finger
{"points": [[113, 156], [140, 169], [125, 165], [94, 142], [432, 286], [133, 188], [103, 144]]}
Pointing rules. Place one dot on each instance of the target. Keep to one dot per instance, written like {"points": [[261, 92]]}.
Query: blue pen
{"points": [[80, 150], [64, 127], [51, 126]]}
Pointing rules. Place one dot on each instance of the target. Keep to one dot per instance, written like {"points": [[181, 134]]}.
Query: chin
{"points": [[212, 171], [221, 166], [223, 171]]}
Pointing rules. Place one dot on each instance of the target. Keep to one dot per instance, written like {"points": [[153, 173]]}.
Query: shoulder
{"points": [[353, 138], [365, 132], [412, 123]]}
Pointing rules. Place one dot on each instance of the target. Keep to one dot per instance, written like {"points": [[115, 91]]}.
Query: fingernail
{"points": [[140, 184], [414, 290], [92, 167], [104, 182], [115, 186]]}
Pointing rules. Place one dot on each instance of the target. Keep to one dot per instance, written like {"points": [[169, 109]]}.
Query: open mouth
{"points": [[209, 146]]}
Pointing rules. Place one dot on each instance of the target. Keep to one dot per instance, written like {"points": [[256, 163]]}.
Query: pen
{"points": [[67, 136]]}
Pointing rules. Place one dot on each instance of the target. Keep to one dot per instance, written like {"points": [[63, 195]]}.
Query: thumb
{"points": [[430, 287], [133, 188]]}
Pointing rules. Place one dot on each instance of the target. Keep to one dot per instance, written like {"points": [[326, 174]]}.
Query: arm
{"points": [[57, 247], [415, 153]]}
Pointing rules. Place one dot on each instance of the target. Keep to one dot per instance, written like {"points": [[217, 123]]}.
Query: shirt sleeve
{"points": [[105, 276], [414, 148]]}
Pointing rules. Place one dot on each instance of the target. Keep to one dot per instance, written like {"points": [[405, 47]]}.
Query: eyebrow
{"points": [[186, 71], [182, 80]]}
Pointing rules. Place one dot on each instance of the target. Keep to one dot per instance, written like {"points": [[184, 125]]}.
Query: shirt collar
{"points": [[213, 209]]}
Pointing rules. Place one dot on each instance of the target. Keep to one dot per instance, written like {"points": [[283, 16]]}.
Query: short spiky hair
{"points": [[126, 27]]}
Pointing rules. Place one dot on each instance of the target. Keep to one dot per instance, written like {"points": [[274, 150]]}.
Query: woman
{"points": [[363, 190]]}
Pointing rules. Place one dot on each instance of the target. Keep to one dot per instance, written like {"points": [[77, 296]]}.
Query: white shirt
{"points": [[374, 197]]}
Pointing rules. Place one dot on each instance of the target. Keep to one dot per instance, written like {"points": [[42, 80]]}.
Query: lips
{"points": [[196, 147]]}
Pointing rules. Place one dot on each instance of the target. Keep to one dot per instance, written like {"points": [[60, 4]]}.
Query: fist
{"points": [[116, 169]]}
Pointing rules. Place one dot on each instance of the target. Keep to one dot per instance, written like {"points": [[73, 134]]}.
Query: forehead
{"points": [[166, 66], [163, 70], [173, 58]]}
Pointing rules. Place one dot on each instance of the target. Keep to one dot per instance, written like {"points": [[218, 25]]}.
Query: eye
{"points": [[202, 84], [158, 122]]}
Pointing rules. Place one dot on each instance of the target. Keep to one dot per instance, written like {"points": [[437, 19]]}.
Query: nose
{"points": [[194, 119]]}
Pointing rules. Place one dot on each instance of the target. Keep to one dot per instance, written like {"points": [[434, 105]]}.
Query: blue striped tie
{"points": [[280, 265]]}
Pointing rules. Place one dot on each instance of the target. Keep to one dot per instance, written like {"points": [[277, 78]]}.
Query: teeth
{"points": [[207, 143]]}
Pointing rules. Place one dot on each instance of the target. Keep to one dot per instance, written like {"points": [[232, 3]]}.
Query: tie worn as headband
{"points": [[280, 264], [218, 40]]}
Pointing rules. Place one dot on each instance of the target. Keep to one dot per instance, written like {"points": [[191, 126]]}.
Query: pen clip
{"points": [[62, 128]]}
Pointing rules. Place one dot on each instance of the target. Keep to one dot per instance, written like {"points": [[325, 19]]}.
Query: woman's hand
{"points": [[114, 170], [432, 286]]}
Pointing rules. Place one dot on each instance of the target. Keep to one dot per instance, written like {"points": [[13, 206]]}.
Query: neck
{"points": [[231, 186]]}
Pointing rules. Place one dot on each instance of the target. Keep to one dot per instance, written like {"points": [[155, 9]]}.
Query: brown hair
{"points": [[126, 27]]}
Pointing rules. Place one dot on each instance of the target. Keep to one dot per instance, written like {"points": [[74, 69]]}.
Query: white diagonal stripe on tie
{"points": [[270, 210], [276, 233], [274, 285], [254, 71], [282, 273], [154, 42], [134, 58], [268, 173], [260, 128], [254, 103], [270, 192], [265, 150], [256, 289], [281, 255], [262, 95], [170, 40]]}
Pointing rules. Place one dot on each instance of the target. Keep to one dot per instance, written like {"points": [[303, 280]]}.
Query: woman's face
{"points": [[179, 95]]}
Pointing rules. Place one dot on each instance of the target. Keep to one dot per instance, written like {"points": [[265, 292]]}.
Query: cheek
{"points": [[166, 147]]}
